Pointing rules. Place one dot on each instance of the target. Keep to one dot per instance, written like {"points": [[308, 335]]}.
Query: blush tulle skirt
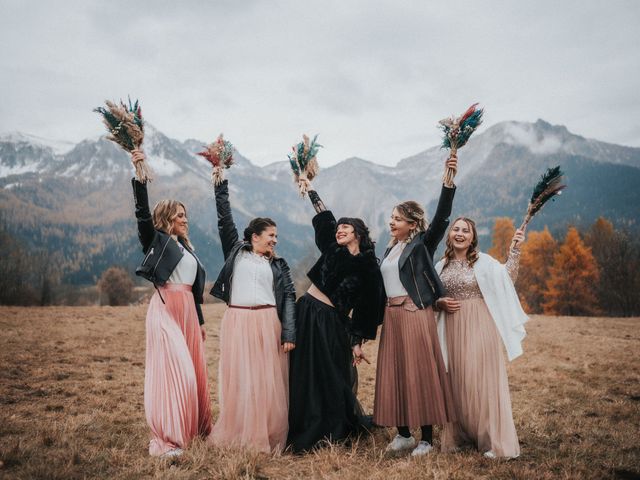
{"points": [[176, 391], [253, 382], [477, 367]]}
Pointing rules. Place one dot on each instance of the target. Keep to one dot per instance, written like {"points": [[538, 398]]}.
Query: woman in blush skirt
{"points": [[176, 392], [483, 313], [412, 385], [256, 334]]}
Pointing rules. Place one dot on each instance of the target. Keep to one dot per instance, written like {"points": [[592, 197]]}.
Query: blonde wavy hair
{"points": [[164, 213], [413, 212], [472, 252]]}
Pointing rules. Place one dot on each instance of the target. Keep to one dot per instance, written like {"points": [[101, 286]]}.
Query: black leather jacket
{"points": [[283, 287], [417, 273], [162, 252]]}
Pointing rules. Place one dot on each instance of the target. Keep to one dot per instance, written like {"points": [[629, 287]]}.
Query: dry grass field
{"points": [[71, 406]]}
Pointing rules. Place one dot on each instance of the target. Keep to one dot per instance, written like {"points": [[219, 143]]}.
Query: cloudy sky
{"points": [[371, 77]]}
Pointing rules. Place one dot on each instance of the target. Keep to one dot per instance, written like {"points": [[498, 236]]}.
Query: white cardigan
{"points": [[502, 301]]}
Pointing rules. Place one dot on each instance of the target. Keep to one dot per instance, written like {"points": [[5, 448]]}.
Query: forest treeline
{"points": [[595, 271]]}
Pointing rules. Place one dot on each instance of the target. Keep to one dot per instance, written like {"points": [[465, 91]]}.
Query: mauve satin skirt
{"points": [[412, 385], [176, 392]]}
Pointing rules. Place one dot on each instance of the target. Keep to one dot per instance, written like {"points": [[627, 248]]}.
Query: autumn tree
{"points": [[573, 277], [116, 285], [535, 261], [618, 259], [503, 231]]}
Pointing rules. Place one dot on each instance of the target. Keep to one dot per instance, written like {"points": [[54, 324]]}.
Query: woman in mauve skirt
{"points": [[482, 315], [176, 392], [412, 385], [256, 334]]}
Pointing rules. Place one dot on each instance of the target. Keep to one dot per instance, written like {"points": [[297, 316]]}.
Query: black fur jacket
{"points": [[351, 282]]}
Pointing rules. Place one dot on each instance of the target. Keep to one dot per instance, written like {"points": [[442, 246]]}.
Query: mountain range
{"points": [[74, 201]]}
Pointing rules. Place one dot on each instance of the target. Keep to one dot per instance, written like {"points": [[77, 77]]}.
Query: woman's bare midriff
{"points": [[318, 295]]}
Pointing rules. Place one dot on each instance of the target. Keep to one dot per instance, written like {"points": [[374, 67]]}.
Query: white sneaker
{"points": [[401, 443], [489, 454], [422, 449], [175, 452]]}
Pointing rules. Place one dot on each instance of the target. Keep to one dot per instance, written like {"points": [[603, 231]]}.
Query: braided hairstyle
{"points": [[257, 226], [411, 211]]}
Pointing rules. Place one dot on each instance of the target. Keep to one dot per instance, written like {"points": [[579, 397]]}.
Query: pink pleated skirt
{"points": [[253, 382], [480, 384], [176, 392], [412, 385]]}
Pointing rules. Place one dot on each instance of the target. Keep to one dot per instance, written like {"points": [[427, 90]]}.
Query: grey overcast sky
{"points": [[371, 77]]}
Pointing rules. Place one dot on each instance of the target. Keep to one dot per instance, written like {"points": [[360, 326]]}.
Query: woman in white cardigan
{"points": [[480, 314]]}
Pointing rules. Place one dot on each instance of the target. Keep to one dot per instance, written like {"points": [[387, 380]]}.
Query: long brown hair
{"points": [[472, 252], [412, 212], [164, 213]]}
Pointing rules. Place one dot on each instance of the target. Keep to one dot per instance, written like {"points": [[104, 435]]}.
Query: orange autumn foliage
{"points": [[535, 261], [573, 277], [503, 231]]}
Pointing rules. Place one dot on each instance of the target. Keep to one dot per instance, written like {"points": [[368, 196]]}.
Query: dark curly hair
{"points": [[362, 232]]}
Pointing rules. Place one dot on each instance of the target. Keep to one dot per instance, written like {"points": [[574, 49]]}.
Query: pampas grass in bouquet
{"points": [[220, 155], [126, 128], [549, 185], [457, 132], [303, 162]]}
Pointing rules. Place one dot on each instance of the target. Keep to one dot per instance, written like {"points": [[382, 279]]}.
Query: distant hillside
{"points": [[75, 201]]}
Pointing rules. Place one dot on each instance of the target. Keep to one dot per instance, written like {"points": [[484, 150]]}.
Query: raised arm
{"points": [[146, 230], [226, 227], [513, 259], [317, 203], [324, 224], [440, 221]]}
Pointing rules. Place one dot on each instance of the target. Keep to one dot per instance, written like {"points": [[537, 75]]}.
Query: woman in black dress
{"points": [[342, 307]]}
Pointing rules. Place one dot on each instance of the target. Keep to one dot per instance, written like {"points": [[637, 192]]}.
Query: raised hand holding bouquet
{"points": [[304, 163], [126, 128], [220, 155], [457, 132]]}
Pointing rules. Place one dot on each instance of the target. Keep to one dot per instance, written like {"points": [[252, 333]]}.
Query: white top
{"points": [[186, 270], [391, 272], [252, 282]]}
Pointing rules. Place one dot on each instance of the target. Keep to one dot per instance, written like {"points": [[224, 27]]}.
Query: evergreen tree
{"points": [[573, 277]]}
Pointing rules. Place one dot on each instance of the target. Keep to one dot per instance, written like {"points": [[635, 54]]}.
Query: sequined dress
{"points": [[477, 368]]}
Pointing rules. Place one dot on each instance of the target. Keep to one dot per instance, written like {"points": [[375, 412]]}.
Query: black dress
{"points": [[322, 403]]}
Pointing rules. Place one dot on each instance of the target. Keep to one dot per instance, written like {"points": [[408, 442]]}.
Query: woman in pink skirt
{"points": [[483, 313], [176, 393], [412, 386], [256, 334]]}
